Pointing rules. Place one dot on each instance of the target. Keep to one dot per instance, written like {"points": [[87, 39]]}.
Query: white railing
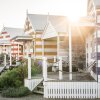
{"points": [[71, 90], [32, 83]]}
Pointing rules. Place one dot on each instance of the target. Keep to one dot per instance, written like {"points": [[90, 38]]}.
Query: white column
{"points": [[34, 50], [58, 45], [86, 52], [45, 68], [16, 57], [42, 48], [70, 53], [5, 60], [23, 50], [10, 57], [29, 67], [60, 68], [18, 51]]}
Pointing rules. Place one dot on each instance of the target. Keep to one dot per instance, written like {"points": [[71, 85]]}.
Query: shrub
{"points": [[12, 78], [16, 76], [36, 67], [15, 92], [35, 70], [14, 62]]}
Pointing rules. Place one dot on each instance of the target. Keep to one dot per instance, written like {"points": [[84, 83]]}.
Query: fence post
{"points": [[10, 59], [53, 67], [45, 68], [5, 56], [54, 58], [29, 66], [98, 89], [60, 68]]}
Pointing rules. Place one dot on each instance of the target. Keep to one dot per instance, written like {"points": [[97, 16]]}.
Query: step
{"points": [[40, 87], [41, 84], [38, 92]]}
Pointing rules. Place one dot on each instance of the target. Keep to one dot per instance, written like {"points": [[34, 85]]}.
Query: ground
{"points": [[37, 97]]}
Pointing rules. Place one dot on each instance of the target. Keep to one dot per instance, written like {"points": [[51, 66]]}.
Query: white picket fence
{"points": [[71, 90]]}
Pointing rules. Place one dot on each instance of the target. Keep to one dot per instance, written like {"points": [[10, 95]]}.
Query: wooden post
{"points": [[70, 52], [53, 67], [60, 68], [5, 60], [58, 40], [29, 66], [54, 59], [45, 68], [10, 59], [18, 51], [42, 48], [16, 57]]}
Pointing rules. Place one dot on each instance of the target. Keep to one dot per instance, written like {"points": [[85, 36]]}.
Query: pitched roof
{"points": [[59, 22], [13, 31], [39, 21]]}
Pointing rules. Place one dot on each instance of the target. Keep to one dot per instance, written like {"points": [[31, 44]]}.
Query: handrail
{"points": [[91, 65]]}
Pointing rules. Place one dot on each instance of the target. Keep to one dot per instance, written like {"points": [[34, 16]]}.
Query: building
{"points": [[38, 43], [93, 45], [8, 45], [46, 36]]}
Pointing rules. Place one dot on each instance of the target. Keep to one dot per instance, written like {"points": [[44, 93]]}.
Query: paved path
{"points": [[37, 97]]}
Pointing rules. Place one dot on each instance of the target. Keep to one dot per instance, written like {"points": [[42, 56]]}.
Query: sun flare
{"points": [[74, 9]]}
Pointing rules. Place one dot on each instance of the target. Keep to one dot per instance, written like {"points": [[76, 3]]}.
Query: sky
{"points": [[13, 12]]}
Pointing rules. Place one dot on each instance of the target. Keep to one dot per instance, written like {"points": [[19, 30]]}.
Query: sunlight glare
{"points": [[73, 18], [74, 9]]}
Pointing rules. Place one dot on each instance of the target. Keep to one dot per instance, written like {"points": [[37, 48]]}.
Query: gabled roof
{"points": [[39, 22], [60, 23], [49, 31], [13, 31]]}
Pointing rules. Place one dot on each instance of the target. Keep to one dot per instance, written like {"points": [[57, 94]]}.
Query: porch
{"points": [[82, 85]]}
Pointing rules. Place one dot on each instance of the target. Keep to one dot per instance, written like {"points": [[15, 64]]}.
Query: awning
{"points": [[51, 32], [23, 38], [5, 42]]}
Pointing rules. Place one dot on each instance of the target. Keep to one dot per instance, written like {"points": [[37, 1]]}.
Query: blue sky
{"points": [[13, 12]]}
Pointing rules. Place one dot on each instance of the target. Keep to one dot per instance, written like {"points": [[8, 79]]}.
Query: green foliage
{"points": [[14, 62], [36, 68], [15, 92], [12, 78], [16, 76]]}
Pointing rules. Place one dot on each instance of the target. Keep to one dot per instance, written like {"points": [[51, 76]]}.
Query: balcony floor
{"points": [[76, 76]]}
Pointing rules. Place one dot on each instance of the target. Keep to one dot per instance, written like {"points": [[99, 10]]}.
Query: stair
{"points": [[39, 89], [88, 69]]}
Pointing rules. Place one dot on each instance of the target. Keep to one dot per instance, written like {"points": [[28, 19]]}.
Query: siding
{"points": [[14, 46]]}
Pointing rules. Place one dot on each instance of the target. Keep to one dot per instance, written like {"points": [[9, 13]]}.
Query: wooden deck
{"points": [[54, 76]]}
